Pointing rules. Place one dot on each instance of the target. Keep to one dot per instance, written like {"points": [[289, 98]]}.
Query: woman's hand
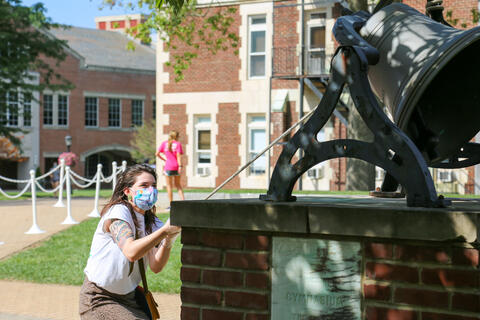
{"points": [[171, 230]]}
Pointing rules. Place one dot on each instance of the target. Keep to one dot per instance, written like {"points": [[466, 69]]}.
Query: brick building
{"points": [[228, 107], [114, 90]]}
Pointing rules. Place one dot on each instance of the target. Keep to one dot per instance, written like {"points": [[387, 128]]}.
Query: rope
{"points": [[51, 190], [18, 195], [305, 117], [14, 181], [83, 185], [106, 180], [82, 178], [48, 173]]}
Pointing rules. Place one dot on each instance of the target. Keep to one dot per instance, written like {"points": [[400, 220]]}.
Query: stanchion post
{"points": [[69, 219], [95, 213], [34, 229], [114, 172], [60, 190], [124, 165]]}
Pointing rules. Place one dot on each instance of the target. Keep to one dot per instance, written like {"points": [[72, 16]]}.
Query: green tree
{"points": [[143, 142], [25, 47], [183, 24]]}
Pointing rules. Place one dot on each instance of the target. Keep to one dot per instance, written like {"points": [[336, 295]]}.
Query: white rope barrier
{"points": [[49, 173], [67, 177], [69, 219], [95, 213], [60, 203], [34, 229], [82, 186], [76, 175], [114, 175], [14, 181], [18, 195]]}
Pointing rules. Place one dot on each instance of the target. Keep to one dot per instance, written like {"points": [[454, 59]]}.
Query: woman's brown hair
{"points": [[173, 135], [127, 180]]}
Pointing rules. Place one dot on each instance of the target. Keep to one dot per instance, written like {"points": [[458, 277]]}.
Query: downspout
{"points": [[269, 118], [302, 53]]}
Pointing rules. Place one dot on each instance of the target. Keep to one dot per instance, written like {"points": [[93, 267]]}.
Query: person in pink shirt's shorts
{"points": [[170, 152]]}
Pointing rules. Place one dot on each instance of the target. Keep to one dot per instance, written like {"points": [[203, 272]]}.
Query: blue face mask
{"points": [[145, 198]]}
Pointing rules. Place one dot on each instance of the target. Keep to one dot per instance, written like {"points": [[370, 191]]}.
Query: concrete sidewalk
{"points": [[31, 301]]}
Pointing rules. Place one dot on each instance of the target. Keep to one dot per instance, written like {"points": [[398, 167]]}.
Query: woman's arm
{"points": [[158, 257], [179, 161], [159, 154], [135, 249]]}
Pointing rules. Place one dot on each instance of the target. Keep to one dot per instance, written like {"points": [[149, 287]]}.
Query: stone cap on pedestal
{"points": [[337, 216]]}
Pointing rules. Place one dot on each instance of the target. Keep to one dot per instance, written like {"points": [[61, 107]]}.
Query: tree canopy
{"points": [[27, 51], [186, 24]]}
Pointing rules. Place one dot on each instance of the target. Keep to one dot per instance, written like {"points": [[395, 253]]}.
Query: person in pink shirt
{"points": [[170, 152]]}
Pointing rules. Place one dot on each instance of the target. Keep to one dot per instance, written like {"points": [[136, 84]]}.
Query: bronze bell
{"points": [[428, 76]]}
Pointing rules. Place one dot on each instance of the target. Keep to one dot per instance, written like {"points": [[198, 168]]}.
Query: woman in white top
{"points": [[127, 231]]}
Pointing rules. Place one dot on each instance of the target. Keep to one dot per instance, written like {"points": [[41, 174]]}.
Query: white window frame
{"points": [[445, 175], [119, 113], [255, 28], [314, 23], [202, 169], [55, 109], [24, 117], [141, 113], [43, 113], [256, 125], [96, 112]]}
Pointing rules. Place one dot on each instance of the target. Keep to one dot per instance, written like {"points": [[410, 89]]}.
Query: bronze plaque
{"points": [[315, 279]]}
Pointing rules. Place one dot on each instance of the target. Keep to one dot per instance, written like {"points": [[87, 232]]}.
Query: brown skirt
{"points": [[98, 303]]}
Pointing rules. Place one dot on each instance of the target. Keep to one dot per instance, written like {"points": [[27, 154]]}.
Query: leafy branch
{"points": [[184, 28]]}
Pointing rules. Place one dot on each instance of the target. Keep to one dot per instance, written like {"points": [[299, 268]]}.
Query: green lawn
{"points": [[62, 258], [106, 193]]}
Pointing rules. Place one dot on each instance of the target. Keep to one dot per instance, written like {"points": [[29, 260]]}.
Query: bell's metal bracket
{"points": [[391, 149]]}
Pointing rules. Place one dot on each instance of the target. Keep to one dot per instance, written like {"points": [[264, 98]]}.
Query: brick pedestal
{"points": [[416, 263]]}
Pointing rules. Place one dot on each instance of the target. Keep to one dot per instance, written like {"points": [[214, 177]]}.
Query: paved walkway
{"points": [[31, 301]]}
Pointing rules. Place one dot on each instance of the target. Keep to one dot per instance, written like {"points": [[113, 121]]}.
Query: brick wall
{"points": [[225, 275], [84, 139], [421, 282], [461, 10], [285, 40], [278, 120], [208, 72], [177, 115], [228, 140]]}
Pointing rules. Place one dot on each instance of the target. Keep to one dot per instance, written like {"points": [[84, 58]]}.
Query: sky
{"points": [[78, 13]]}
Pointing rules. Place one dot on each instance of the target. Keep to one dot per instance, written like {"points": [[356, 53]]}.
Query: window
{"points": [[12, 109], [257, 29], [445, 176], [114, 113], [55, 110], [91, 112], [316, 43], [9, 117], [27, 110], [47, 109], [62, 114], [257, 141], [154, 110], [137, 112], [203, 155]]}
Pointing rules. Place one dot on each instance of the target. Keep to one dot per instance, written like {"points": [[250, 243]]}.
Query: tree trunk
{"points": [[360, 174]]}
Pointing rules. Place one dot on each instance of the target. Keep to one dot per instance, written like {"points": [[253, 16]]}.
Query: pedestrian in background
{"points": [[55, 176], [170, 152], [127, 232]]}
